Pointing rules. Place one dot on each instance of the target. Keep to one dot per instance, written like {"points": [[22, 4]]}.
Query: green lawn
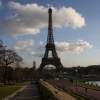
{"points": [[88, 85], [78, 97], [6, 90]]}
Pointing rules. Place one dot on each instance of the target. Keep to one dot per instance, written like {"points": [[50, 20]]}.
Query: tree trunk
{"points": [[5, 75]]}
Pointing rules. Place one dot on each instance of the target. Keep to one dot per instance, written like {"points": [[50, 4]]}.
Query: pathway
{"points": [[31, 92]]}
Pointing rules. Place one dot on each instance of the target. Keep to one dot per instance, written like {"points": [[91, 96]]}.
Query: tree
{"points": [[26, 72], [1, 71], [2, 49], [10, 58], [18, 74], [10, 73]]}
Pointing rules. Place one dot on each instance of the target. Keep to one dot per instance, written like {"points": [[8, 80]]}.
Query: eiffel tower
{"points": [[50, 47]]}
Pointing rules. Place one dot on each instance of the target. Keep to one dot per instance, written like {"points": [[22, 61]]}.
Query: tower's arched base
{"points": [[51, 61]]}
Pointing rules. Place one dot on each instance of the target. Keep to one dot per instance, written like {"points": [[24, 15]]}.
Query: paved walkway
{"points": [[31, 92], [58, 93], [90, 92]]}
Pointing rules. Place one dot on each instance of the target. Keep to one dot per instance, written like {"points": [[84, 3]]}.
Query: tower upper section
{"points": [[50, 39]]}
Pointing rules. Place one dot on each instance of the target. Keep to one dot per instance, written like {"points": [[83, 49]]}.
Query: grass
{"points": [[78, 97], [88, 85], [7, 90]]}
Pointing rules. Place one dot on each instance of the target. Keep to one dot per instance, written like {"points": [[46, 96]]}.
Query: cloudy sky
{"points": [[76, 29]]}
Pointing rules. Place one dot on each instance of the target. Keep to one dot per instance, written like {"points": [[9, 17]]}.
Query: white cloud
{"points": [[30, 18], [23, 45], [37, 54], [40, 43], [64, 48], [27, 63], [68, 17], [0, 3], [76, 47]]}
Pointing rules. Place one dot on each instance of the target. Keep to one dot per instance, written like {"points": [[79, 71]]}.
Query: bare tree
{"points": [[2, 49], [10, 58]]}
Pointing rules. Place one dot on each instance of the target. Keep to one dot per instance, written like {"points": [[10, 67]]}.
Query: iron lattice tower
{"points": [[50, 46]]}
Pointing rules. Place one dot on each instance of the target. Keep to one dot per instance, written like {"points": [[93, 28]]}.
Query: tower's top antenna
{"points": [[49, 5]]}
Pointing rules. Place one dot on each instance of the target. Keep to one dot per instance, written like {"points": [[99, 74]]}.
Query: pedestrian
{"points": [[86, 89], [63, 88]]}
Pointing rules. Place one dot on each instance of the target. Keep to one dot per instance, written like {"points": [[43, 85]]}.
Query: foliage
{"points": [[18, 74], [2, 48], [9, 58]]}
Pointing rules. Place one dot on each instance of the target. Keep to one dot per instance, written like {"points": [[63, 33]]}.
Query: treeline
{"points": [[89, 70], [18, 74], [10, 67]]}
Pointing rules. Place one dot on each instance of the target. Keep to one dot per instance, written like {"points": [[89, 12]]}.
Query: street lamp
{"points": [[76, 79]]}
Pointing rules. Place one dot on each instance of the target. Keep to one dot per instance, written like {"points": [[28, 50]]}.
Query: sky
{"points": [[76, 30]]}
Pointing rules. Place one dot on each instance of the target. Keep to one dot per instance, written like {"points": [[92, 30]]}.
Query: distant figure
{"points": [[86, 89], [63, 88]]}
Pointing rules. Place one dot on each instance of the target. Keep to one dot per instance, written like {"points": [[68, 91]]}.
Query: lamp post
{"points": [[76, 79]]}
